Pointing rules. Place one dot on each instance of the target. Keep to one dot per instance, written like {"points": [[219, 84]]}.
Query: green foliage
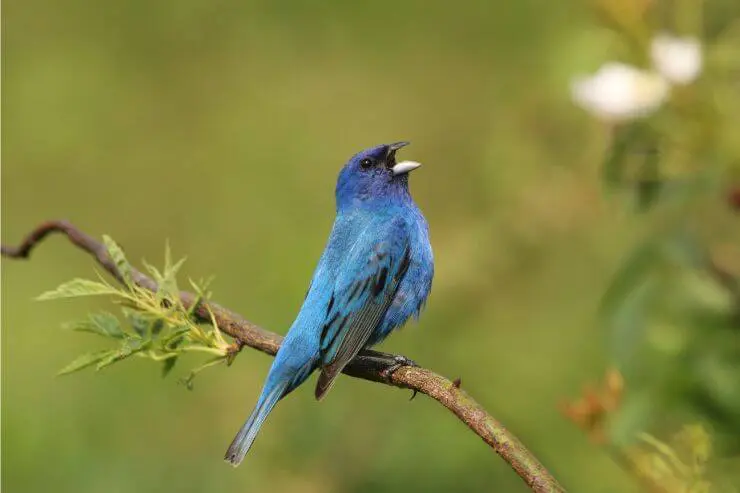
{"points": [[78, 287], [104, 323], [680, 465], [116, 253], [671, 314], [632, 163], [153, 325]]}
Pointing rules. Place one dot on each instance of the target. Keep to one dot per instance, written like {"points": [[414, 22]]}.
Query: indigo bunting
{"points": [[375, 272]]}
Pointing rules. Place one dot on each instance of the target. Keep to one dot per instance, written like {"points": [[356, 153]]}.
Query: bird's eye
{"points": [[366, 163]]}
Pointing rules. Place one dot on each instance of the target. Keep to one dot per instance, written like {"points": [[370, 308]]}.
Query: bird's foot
{"points": [[386, 364], [398, 362]]}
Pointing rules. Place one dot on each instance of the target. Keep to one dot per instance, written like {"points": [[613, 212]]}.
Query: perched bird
{"points": [[376, 272]]}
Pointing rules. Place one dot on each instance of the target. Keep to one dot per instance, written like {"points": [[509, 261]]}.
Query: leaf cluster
{"points": [[151, 325]]}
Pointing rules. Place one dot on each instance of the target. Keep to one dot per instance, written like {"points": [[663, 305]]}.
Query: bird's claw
{"points": [[399, 362]]}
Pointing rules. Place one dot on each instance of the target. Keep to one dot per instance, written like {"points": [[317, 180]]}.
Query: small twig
{"points": [[369, 365]]}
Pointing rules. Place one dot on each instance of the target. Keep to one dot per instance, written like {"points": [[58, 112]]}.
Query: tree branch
{"points": [[369, 365]]}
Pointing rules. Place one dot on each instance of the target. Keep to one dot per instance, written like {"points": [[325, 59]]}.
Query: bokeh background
{"points": [[220, 126]]}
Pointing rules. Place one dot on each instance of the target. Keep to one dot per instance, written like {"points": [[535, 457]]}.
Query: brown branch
{"points": [[369, 365]]}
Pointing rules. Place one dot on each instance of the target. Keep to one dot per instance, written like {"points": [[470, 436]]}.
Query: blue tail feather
{"points": [[248, 432]]}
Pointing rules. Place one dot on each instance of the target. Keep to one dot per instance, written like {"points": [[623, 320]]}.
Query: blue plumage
{"points": [[376, 272]]}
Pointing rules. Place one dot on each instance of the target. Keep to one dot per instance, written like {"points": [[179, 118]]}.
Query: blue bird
{"points": [[376, 272]]}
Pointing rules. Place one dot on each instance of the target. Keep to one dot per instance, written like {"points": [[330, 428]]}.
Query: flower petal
{"points": [[619, 92], [678, 59]]}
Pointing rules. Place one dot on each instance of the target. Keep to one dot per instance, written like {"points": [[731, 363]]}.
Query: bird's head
{"points": [[374, 174]]}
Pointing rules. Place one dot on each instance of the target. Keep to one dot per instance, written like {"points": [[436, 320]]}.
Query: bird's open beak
{"points": [[404, 167]]}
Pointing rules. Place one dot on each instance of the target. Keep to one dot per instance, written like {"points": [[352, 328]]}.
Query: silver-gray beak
{"points": [[404, 167]]}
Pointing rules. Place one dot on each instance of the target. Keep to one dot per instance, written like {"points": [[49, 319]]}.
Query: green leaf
{"points": [[635, 148], [201, 294], [628, 304], [118, 257], [623, 143], [638, 411], [104, 324], [156, 327], [115, 356], [168, 365], [634, 271], [684, 248], [124, 351], [84, 361], [76, 288], [168, 288], [175, 338], [628, 326], [170, 343], [153, 272], [650, 185], [146, 325], [139, 321]]}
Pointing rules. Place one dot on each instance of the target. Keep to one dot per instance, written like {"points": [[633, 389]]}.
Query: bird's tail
{"points": [[248, 432]]}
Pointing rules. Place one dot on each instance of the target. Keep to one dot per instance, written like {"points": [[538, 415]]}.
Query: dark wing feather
{"points": [[363, 292]]}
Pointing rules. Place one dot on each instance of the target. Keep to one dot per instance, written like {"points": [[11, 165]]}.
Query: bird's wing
{"points": [[367, 281]]}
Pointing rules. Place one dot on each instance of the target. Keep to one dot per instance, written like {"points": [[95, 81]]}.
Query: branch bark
{"points": [[369, 365]]}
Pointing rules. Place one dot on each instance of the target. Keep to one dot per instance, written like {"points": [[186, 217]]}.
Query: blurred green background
{"points": [[221, 126]]}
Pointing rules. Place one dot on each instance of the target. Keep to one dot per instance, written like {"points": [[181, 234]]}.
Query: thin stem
{"points": [[368, 365]]}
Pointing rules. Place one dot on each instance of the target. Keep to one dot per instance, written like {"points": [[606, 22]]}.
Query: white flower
{"points": [[618, 92], [678, 59]]}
